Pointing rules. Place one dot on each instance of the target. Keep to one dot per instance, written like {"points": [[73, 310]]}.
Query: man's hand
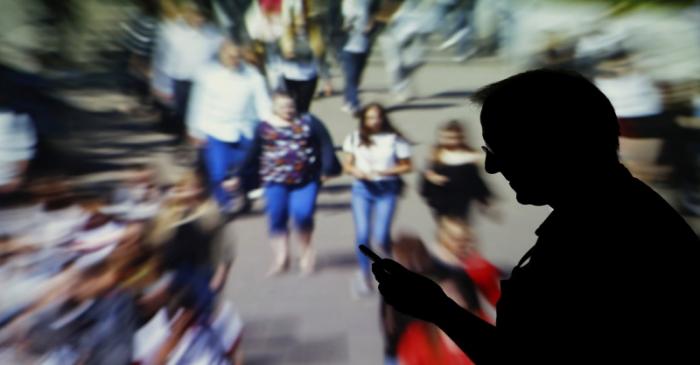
{"points": [[197, 142], [231, 184], [360, 175], [383, 173], [435, 178], [408, 292]]}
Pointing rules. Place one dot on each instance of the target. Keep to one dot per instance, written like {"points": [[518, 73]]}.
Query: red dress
{"points": [[417, 348], [485, 275]]}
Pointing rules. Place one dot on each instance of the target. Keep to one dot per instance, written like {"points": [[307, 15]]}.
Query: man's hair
{"points": [[550, 108]]}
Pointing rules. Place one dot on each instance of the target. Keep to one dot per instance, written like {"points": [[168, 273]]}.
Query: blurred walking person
{"points": [[357, 23], [183, 45], [295, 154], [452, 182], [303, 49], [376, 155], [228, 100]]}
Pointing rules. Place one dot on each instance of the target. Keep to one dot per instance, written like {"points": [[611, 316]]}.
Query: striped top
{"points": [[139, 34]]}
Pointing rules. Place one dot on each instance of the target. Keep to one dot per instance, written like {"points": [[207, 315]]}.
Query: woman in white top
{"points": [[376, 155]]}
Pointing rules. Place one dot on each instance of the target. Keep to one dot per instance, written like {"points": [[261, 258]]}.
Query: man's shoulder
{"points": [[643, 208], [629, 204]]}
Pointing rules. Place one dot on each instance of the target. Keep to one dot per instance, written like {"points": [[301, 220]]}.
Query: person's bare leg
{"points": [[307, 261], [327, 87], [280, 250]]}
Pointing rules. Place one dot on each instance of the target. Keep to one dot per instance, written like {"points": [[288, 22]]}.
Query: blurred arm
{"points": [[403, 166]]}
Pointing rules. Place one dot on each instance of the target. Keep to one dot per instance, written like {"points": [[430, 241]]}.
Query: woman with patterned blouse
{"points": [[295, 154]]}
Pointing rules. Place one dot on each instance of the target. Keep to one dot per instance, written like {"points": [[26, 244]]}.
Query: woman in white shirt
{"points": [[376, 155]]}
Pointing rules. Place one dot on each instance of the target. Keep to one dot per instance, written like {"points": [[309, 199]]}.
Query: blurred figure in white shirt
{"points": [[228, 99], [183, 45]]}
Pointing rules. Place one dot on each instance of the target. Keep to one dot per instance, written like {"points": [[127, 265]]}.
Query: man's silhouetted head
{"points": [[549, 132]]}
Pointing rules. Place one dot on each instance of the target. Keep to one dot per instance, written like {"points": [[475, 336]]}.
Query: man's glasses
{"points": [[491, 158], [487, 150]]}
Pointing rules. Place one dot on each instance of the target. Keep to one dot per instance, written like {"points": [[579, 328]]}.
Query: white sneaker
{"points": [[256, 194], [454, 39], [464, 56]]}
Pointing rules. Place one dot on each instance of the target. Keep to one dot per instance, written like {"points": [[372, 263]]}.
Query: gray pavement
{"points": [[314, 320]]}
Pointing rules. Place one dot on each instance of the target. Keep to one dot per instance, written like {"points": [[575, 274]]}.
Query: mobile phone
{"points": [[369, 253]]}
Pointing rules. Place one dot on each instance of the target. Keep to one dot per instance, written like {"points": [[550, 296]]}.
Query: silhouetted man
{"points": [[611, 278]]}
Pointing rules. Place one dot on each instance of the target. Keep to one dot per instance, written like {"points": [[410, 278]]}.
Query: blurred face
{"points": [[230, 55], [373, 119], [450, 139], [284, 107], [193, 16]]}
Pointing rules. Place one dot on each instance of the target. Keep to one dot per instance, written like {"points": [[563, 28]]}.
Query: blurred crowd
{"points": [[133, 273], [127, 277]]}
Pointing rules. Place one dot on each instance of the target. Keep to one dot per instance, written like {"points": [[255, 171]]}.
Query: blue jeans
{"points": [[193, 283], [373, 203], [390, 360], [353, 66], [219, 158], [281, 200]]}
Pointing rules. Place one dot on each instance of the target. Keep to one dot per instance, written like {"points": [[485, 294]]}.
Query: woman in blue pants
{"points": [[295, 154], [376, 155]]}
